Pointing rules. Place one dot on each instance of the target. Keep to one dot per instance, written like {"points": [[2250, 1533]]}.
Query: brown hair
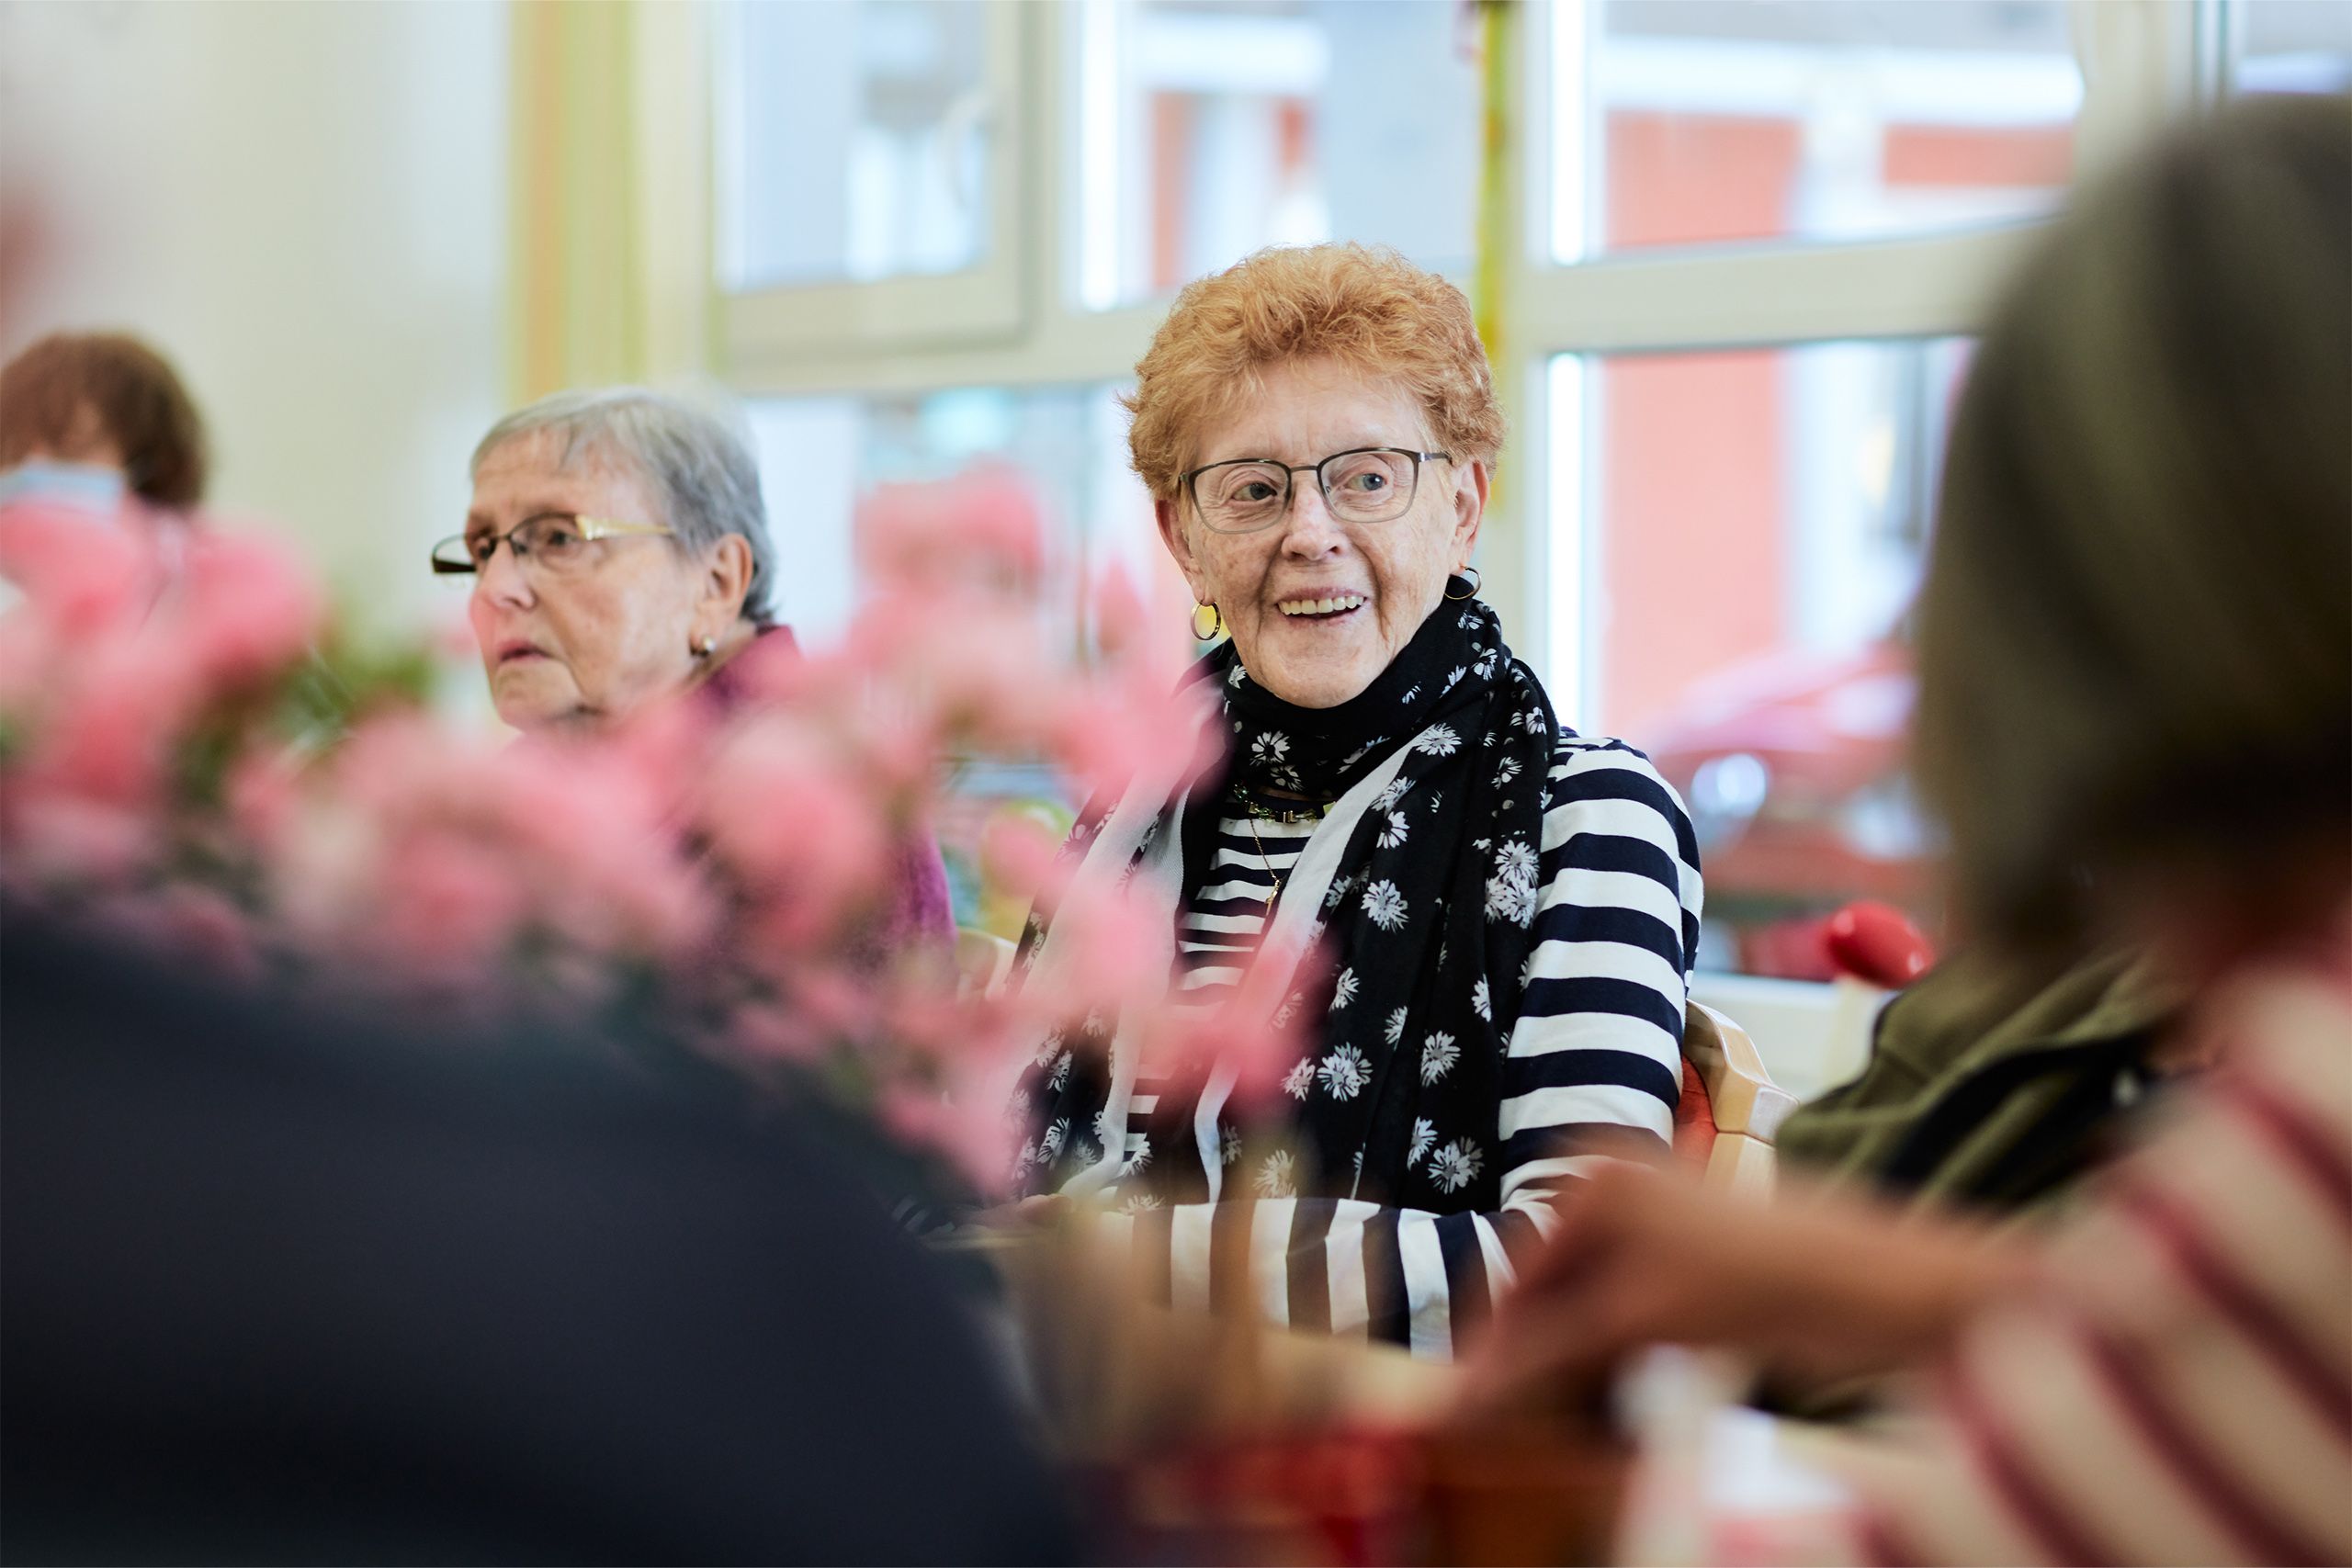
{"points": [[48, 392], [2135, 640], [1367, 307]]}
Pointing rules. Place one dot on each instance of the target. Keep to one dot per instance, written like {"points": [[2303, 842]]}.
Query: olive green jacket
{"points": [[1990, 1092]]}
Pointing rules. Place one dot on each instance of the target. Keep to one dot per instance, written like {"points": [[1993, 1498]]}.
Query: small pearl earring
{"points": [[707, 646]]}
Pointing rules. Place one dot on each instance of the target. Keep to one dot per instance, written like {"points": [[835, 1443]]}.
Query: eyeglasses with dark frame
{"points": [[1365, 484], [556, 541]]}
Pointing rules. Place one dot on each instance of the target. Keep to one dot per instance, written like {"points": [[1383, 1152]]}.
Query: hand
{"points": [[1821, 1285]]}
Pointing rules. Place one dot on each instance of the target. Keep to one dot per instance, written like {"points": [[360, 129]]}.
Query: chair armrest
{"points": [[1744, 1097]]}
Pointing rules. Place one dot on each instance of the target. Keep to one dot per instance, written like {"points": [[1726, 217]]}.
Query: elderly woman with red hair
{"points": [[1508, 908]]}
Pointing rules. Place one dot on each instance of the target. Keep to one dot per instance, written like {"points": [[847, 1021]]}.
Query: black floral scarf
{"points": [[1441, 769]]}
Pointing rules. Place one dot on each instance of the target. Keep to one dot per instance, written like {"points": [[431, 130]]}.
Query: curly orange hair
{"points": [[1364, 306]]}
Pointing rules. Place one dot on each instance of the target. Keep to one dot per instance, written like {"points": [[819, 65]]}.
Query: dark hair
{"points": [[2135, 640], [132, 393]]}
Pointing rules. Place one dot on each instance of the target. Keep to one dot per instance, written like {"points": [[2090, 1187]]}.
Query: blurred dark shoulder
{"points": [[303, 1279]]}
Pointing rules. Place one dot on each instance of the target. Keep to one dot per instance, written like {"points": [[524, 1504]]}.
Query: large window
{"points": [[1740, 249]]}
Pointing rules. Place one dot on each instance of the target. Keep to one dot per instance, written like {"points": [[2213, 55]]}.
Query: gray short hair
{"points": [[701, 471]]}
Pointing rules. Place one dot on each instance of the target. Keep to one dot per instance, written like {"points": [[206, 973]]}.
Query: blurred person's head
{"points": [[620, 553], [1282, 363], [104, 404], [2136, 633]]}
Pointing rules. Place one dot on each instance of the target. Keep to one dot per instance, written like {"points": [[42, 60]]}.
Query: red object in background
{"points": [[1877, 943]]}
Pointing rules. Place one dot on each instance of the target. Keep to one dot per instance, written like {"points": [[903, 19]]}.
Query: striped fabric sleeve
{"points": [[1592, 1072], [2182, 1390]]}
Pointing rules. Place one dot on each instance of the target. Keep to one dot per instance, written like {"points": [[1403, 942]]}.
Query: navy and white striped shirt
{"points": [[1592, 1071]]}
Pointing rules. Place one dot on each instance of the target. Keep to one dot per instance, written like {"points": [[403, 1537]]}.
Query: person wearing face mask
{"points": [[97, 426], [1505, 909], [88, 419], [619, 549]]}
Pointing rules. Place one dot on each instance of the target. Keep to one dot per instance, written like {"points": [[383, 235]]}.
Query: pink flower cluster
{"points": [[128, 644], [735, 865]]}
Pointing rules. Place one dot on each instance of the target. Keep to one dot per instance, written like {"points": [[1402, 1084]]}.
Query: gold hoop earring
{"points": [[1475, 580], [1215, 623]]}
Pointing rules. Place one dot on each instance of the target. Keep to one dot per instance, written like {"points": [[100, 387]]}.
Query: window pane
{"points": [[1743, 612], [1211, 128], [2295, 46], [854, 140], [1685, 122]]}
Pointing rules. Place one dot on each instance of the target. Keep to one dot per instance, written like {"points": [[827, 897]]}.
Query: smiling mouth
{"points": [[1324, 609]]}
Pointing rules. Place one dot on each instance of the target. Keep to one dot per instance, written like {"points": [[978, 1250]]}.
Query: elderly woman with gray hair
{"points": [[619, 549]]}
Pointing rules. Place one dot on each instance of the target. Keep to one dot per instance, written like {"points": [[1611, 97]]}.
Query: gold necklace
{"points": [[1265, 859], [1250, 812]]}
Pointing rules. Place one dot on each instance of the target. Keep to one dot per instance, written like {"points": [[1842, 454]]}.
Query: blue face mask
{"points": [[84, 486]]}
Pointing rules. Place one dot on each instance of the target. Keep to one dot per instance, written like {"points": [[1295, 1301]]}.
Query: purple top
{"points": [[920, 913]]}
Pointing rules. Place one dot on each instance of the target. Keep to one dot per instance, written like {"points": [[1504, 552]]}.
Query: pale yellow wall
{"points": [[305, 205]]}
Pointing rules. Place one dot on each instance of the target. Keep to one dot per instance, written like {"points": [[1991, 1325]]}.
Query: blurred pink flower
{"points": [[55, 839], [1116, 951], [742, 854], [1108, 734], [109, 725], [196, 925], [246, 608], [446, 909], [969, 1126], [978, 533], [802, 831], [1017, 853], [262, 795], [80, 569]]}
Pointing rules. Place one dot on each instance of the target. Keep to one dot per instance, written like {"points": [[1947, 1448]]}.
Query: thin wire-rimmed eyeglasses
{"points": [[553, 541], [1367, 484]]}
